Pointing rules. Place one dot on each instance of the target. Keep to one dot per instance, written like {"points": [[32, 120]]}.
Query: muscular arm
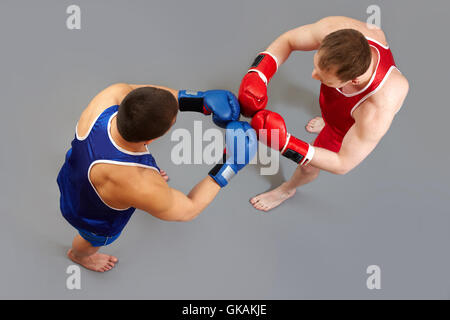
{"points": [[358, 143], [309, 37], [137, 86], [304, 38], [372, 120], [114, 95], [147, 190]]}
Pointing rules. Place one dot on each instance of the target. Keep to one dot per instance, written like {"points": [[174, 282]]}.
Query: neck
{"points": [[365, 78], [121, 142]]}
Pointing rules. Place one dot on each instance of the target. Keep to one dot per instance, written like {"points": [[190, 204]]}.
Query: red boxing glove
{"points": [[266, 123], [253, 89]]}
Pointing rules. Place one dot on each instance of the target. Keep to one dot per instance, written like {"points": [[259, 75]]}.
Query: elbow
{"points": [[343, 166], [342, 171], [188, 217], [185, 219]]}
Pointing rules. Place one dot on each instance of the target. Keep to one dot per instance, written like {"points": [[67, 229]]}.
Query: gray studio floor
{"points": [[392, 211]]}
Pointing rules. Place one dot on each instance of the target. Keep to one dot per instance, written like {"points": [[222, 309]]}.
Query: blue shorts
{"points": [[96, 240]]}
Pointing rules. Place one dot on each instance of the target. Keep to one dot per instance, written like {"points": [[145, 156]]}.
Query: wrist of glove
{"points": [[271, 130], [297, 150], [192, 101], [265, 65], [221, 103], [241, 147], [222, 172]]}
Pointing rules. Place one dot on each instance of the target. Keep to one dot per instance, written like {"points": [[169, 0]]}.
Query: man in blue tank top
{"points": [[108, 171]]}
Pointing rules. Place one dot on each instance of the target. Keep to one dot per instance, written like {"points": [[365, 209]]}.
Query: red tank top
{"points": [[337, 107]]}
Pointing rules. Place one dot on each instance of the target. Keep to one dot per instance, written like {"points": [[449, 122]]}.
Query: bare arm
{"points": [[114, 95], [372, 120], [149, 192], [137, 86], [358, 143], [309, 37], [304, 38]]}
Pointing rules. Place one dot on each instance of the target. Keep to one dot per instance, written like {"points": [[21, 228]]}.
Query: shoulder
{"points": [[130, 184], [129, 175], [391, 95], [112, 95], [331, 24], [376, 114]]}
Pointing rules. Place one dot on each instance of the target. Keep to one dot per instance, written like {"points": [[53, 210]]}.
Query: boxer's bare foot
{"points": [[271, 199], [97, 262], [315, 125]]}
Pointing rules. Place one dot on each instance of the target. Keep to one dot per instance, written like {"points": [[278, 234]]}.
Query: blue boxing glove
{"points": [[241, 147], [221, 103]]}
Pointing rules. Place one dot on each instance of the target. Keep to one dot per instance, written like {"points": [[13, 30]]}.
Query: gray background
{"points": [[391, 211]]}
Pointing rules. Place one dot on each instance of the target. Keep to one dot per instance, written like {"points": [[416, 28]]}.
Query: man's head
{"points": [[343, 56], [146, 114]]}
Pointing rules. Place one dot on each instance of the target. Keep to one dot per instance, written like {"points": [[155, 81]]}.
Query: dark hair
{"points": [[348, 51], [146, 113]]}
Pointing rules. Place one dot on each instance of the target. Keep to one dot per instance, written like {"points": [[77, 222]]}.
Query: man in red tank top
{"points": [[361, 92]]}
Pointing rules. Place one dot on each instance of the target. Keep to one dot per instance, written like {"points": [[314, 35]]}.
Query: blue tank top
{"points": [[80, 204]]}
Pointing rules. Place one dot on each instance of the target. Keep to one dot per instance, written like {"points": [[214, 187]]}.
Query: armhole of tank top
{"points": [[374, 91], [130, 164], [90, 127], [378, 43]]}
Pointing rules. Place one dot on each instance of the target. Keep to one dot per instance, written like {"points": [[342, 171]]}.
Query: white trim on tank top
{"points": [[374, 91], [130, 164], [131, 153], [350, 95], [89, 131], [378, 43]]}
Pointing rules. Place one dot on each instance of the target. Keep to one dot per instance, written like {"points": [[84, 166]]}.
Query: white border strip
{"points": [[260, 74], [118, 147], [130, 164], [378, 43], [288, 139], [90, 129], [309, 155], [370, 82], [273, 57], [374, 91]]}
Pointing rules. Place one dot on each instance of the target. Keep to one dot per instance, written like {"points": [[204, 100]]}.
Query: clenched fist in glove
{"points": [[253, 89]]}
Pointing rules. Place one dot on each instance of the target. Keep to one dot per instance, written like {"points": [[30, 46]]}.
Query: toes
{"points": [[255, 200], [107, 267], [113, 259], [259, 206]]}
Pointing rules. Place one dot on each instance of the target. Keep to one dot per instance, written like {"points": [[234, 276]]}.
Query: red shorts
{"points": [[329, 139]]}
